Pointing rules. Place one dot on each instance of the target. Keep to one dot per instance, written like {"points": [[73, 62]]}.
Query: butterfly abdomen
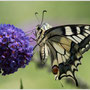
{"points": [[43, 53]]}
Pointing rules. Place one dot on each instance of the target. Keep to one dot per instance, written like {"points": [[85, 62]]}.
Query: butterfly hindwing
{"points": [[66, 61]]}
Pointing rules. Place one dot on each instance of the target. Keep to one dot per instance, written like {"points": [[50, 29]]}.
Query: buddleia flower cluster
{"points": [[15, 49]]}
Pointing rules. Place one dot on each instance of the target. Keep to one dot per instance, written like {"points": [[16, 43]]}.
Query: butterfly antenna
{"points": [[37, 17], [43, 16]]}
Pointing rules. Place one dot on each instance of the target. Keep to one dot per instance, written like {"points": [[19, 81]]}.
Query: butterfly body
{"points": [[41, 41], [65, 44]]}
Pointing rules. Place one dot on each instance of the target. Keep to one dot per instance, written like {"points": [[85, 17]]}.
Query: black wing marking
{"points": [[68, 56]]}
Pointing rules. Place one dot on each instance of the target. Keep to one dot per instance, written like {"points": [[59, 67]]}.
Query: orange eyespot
{"points": [[55, 69]]}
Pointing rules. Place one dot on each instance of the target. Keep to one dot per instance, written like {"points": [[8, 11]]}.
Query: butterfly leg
{"points": [[33, 39]]}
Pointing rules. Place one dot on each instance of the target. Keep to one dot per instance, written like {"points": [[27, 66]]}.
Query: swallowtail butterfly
{"points": [[65, 44]]}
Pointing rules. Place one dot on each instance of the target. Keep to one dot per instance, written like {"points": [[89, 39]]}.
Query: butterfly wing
{"points": [[67, 44]]}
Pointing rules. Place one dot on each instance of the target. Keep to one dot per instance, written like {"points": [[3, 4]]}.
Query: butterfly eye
{"points": [[55, 69], [38, 28]]}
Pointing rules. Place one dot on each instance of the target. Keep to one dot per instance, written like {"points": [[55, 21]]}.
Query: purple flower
{"points": [[15, 49]]}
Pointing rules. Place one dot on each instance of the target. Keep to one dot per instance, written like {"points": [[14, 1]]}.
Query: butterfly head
{"points": [[45, 26], [42, 26]]}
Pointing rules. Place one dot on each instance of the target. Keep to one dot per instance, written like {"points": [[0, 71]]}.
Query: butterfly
{"points": [[65, 45]]}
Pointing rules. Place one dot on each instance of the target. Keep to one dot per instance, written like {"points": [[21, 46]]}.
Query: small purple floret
{"points": [[15, 49]]}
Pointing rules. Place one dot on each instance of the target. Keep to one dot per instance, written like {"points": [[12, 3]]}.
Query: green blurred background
{"points": [[21, 14]]}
